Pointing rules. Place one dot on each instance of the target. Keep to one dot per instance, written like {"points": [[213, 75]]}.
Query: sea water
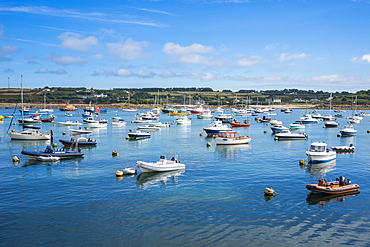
{"points": [[217, 201]]}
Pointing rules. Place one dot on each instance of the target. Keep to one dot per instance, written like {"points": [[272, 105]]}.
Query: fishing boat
{"points": [[69, 123], [231, 138], [50, 152], [166, 163], [287, 135], [80, 141], [183, 120], [319, 152], [235, 123], [340, 186], [81, 131], [216, 127], [138, 134], [348, 130], [349, 148]]}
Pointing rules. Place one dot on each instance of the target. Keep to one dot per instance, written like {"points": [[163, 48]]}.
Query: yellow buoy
{"points": [[14, 123], [276, 138], [127, 137], [269, 191], [119, 173], [54, 145], [208, 144], [64, 133], [200, 134], [15, 159], [368, 131], [302, 162], [265, 131], [115, 153], [13, 130], [338, 135], [54, 125]]}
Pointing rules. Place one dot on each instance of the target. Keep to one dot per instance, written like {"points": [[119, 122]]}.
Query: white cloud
{"points": [[119, 72], [272, 46], [286, 56], [167, 74], [245, 62], [366, 58], [145, 74], [67, 60], [128, 50], [98, 56], [74, 41], [123, 72], [46, 71]]}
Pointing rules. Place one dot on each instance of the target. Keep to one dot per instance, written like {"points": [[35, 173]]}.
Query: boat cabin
{"points": [[318, 147]]}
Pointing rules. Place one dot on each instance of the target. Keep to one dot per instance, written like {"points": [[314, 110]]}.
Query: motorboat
{"points": [[276, 122], [287, 111], [68, 107], [119, 122], [287, 135], [231, 138], [126, 171], [197, 110], [348, 130], [160, 125], [31, 134], [354, 121], [140, 120], [296, 125], [138, 134], [80, 141], [49, 119], [216, 127], [349, 148], [183, 120], [50, 152], [225, 118], [331, 124], [179, 113], [30, 120], [319, 152], [70, 123], [308, 120], [166, 163], [148, 127], [264, 119], [278, 128], [97, 125], [340, 186], [235, 123], [81, 131], [206, 114]]}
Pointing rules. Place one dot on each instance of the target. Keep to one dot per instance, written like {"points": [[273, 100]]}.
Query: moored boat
{"points": [[216, 127], [81, 141], [50, 152], [81, 131], [183, 120], [235, 123], [166, 163], [340, 186], [348, 130], [139, 135], [231, 138], [319, 152], [68, 107], [31, 134], [287, 135], [349, 148], [69, 123]]}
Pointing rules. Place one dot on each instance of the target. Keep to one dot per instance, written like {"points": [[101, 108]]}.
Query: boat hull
{"points": [[333, 190], [232, 141], [159, 166], [62, 155], [70, 143]]}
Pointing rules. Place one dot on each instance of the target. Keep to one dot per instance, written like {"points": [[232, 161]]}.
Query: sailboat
{"points": [[330, 123], [45, 110], [30, 134]]}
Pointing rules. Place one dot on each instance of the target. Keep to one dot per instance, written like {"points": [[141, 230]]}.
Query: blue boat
{"points": [[216, 127], [50, 152]]}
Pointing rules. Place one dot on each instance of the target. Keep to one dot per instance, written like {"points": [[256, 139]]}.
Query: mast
{"points": [[22, 99]]}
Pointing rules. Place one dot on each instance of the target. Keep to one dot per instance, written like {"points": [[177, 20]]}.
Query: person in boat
{"points": [[343, 181], [49, 149], [72, 139]]}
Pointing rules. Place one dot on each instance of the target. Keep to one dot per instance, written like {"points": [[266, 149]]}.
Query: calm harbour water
{"points": [[217, 201]]}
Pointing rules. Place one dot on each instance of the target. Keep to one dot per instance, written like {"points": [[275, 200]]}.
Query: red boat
{"points": [[237, 124]]}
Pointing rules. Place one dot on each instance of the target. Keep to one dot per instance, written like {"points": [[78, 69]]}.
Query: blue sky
{"points": [[231, 44]]}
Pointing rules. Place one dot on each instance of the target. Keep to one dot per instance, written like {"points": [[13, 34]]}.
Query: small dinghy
{"points": [[340, 186], [126, 171], [166, 163]]}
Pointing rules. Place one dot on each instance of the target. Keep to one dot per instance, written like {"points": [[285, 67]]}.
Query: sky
{"points": [[221, 44]]}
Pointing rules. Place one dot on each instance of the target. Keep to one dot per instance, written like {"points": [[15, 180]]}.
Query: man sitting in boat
{"points": [[343, 181], [49, 149]]}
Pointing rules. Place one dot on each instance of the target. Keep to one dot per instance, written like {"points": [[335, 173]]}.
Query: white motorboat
{"points": [[308, 120], [278, 128], [216, 127], [140, 120], [348, 130], [287, 135], [166, 163], [139, 135], [80, 131], [160, 125], [319, 152], [276, 122], [69, 123], [148, 128], [183, 120], [224, 117], [296, 125], [31, 134], [97, 125], [120, 122], [206, 114], [231, 138]]}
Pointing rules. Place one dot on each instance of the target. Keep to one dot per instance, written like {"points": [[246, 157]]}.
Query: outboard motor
{"points": [[342, 181]]}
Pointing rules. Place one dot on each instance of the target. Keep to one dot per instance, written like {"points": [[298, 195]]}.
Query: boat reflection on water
{"points": [[28, 143], [148, 179], [32, 162], [321, 168], [231, 151], [323, 199]]}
